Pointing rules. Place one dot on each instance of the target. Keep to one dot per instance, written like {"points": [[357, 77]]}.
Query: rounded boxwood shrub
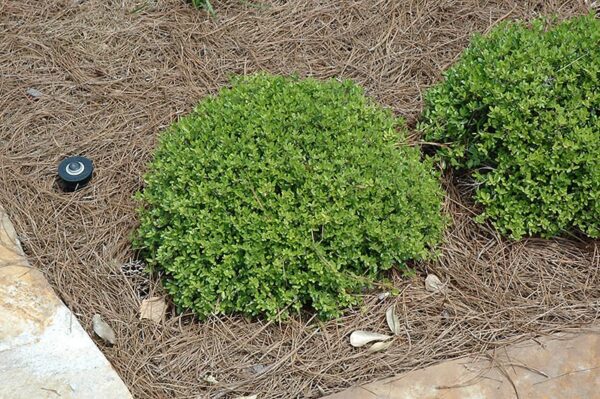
{"points": [[280, 193], [521, 111]]}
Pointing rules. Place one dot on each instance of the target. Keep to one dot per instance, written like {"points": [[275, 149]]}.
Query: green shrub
{"points": [[279, 193], [521, 111]]}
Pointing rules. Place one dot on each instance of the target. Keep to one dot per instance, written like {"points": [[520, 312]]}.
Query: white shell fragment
{"points": [[392, 320], [379, 346], [383, 295], [360, 338], [103, 330], [210, 379], [434, 284], [35, 93]]}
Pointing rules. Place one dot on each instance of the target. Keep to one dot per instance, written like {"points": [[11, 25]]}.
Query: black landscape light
{"points": [[75, 172]]}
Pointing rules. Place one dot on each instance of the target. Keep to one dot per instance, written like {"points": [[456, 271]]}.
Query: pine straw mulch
{"points": [[114, 73]]}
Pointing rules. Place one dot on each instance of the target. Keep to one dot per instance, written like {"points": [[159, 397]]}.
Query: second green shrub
{"points": [[521, 111]]}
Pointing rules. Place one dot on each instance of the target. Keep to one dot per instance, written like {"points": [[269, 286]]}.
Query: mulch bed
{"points": [[114, 73]]}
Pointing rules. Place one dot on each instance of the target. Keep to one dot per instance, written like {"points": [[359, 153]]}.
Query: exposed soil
{"points": [[114, 73]]}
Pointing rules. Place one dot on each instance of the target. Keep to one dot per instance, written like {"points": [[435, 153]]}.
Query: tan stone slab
{"points": [[556, 367], [44, 351]]}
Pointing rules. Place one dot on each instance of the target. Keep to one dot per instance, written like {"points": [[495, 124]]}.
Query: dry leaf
{"points": [[379, 346], [210, 379], [103, 330], [433, 283], [153, 309], [392, 320], [360, 338]]}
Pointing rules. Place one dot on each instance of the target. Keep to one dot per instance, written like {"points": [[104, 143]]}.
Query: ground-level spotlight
{"points": [[74, 173]]}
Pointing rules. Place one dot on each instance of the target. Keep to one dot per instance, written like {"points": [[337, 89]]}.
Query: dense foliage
{"points": [[280, 193], [521, 110]]}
